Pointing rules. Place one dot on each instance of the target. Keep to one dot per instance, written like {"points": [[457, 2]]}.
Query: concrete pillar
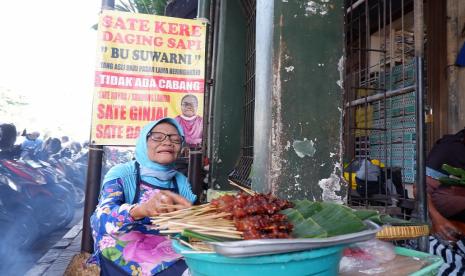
{"points": [[452, 71], [298, 99]]}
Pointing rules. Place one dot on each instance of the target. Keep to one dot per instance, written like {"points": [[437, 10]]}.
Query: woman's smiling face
{"points": [[189, 106], [164, 152]]}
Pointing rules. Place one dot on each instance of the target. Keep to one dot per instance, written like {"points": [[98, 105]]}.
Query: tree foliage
{"points": [[156, 7], [11, 102], [14, 107]]}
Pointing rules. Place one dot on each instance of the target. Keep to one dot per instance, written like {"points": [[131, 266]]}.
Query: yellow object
{"points": [[378, 163], [350, 176], [429, 118], [347, 176], [402, 232], [361, 93], [363, 120]]}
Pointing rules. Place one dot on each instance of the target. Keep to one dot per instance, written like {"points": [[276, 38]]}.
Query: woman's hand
{"points": [[445, 229], [441, 226], [161, 202]]}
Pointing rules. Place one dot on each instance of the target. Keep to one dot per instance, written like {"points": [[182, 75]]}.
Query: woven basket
{"points": [[78, 266], [402, 232]]}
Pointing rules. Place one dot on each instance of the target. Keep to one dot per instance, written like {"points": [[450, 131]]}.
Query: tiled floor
{"points": [[56, 260]]}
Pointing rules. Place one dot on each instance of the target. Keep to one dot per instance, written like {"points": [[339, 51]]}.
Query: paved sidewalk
{"points": [[56, 260]]}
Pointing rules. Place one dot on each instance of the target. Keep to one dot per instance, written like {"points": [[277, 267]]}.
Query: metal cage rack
{"points": [[379, 104], [242, 172]]}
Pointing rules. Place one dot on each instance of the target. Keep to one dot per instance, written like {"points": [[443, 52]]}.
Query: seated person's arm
{"points": [[441, 225], [112, 213]]}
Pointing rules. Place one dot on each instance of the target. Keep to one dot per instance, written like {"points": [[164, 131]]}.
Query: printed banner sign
{"points": [[148, 67]]}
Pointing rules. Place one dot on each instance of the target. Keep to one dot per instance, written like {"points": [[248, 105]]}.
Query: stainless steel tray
{"points": [[276, 246]]}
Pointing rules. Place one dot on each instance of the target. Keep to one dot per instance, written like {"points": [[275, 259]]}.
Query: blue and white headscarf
{"points": [[151, 172]]}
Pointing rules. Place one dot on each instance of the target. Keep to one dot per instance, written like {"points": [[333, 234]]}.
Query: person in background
{"points": [[8, 149], [446, 204], [66, 150], [64, 140], [191, 123], [49, 149], [131, 193], [75, 147], [31, 145]]}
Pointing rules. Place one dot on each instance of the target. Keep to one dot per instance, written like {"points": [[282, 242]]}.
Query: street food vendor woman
{"points": [[131, 193]]}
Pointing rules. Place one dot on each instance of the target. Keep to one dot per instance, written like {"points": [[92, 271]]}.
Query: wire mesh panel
{"points": [[241, 173], [380, 120]]}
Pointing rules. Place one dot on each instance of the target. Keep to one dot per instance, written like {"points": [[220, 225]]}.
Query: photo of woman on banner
{"points": [[191, 123]]}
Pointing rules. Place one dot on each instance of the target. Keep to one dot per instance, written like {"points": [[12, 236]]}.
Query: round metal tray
{"points": [[250, 248]]}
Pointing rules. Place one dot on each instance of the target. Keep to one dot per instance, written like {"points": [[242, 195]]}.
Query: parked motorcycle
{"points": [[19, 226], [52, 204], [58, 176]]}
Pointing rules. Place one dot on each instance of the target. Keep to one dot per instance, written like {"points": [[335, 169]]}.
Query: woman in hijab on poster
{"points": [[191, 123], [131, 193]]}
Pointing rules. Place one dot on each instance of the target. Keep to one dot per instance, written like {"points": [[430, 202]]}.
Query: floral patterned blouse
{"points": [[125, 241]]}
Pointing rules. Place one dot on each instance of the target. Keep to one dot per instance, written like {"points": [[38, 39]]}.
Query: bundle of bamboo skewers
{"points": [[203, 219]]}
